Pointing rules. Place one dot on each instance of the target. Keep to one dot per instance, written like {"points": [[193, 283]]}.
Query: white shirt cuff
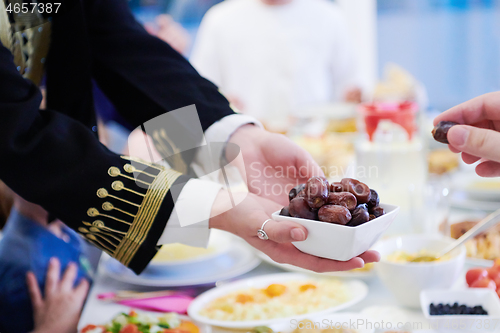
{"points": [[188, 224]]}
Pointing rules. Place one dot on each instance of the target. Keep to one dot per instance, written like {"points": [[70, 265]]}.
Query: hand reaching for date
{"points": [[273, 164], [60, 310], [247, 217], [477, 135]]}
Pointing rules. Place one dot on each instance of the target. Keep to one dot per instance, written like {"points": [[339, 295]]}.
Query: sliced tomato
{"points": [[493, 272], [475, 274], [484, 283], [130, 328], [132, 313], [88, 328], [497, 262]]}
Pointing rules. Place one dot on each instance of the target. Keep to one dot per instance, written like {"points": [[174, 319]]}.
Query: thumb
{"points": [[285, 232], [475, 141]]}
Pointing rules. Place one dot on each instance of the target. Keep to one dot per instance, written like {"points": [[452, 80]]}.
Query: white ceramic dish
{"points": [[239, 260], [358, 289], [361, 275], [470, 297], [407, 280], [219, 243], [338, 242], [477, 188]]}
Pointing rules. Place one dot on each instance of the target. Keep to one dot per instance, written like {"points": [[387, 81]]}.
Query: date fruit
{"points": [[299, 208], [374, 199], [336, 187], [377, 211], [285, 211], [317, 190], [334, 214], [296, 190], [360, 190], [346, 199], [440, 132], [360, 215]]}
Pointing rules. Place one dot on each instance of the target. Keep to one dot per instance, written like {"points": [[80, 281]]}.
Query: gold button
{"points": [[107, 206], [98, 224], [117, 185], [129, 168], [114, 172], [102, 193], [92, 212]]}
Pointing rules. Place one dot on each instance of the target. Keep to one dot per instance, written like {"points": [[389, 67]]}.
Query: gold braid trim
{"points": [[150, 206]]}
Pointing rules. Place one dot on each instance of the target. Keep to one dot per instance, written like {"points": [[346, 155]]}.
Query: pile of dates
{"points": [[348, 202]]}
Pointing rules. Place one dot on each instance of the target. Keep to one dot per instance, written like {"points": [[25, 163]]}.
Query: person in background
{"points": [[31, 244], [477, 136], [273, 57]]}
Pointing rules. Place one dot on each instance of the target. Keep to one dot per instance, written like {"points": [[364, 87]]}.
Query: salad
{"points": [[134, 322]]}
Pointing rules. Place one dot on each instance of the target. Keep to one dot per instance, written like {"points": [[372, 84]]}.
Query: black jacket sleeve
{"points": [[144, 77]]}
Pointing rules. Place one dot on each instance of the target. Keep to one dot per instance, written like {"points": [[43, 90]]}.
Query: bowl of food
{"points": [[406, 279], [274, 299], [461, 310], [343, 219]]}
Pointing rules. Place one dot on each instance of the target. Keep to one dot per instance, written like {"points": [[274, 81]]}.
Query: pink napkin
{"points": [[174, 303]]}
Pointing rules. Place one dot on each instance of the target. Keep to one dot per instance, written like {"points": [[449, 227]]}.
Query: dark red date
{"points": [[317, 192], [285, 211], [440, 132], [336, 187], [296, 190], [377, 211], [360, 190], [334, 214], [299, 208], [360, 215], [374, 199], [346, 199]]}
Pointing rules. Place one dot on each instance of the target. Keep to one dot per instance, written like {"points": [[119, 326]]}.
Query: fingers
{"points": [[53, 274], [285, 232], [69, 277], [370, 256], [288, 254], [476, 110], [470, 159], [34, 290], [488, 169], [82, 289], [476, 141]]}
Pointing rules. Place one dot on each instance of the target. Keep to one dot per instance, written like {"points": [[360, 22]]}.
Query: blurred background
{"points": [[451, 46]]}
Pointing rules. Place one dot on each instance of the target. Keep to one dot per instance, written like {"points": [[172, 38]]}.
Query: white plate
{"points": [[220, 242], [105, 318], [365, 276], [358, 289], [239, 260], [479, 262], [468, 183]]}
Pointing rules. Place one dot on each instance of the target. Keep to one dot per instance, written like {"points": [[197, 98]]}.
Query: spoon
{"points": [[483, 225]]}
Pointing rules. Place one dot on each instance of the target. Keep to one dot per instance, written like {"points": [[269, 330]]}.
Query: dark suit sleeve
{"points": [[56, 162], [143, 76]]}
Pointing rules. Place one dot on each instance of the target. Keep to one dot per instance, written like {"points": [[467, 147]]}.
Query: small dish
{"points": [[406, 280], [338, 242], [470, 297]]}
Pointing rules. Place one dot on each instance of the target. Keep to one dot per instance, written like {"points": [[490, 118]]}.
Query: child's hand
{"points": [[60, 310]]}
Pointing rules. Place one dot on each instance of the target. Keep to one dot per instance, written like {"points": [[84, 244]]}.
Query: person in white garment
{"points": [[274, 58]]}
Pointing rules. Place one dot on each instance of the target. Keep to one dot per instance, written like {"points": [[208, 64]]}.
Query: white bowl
{"points": [[471, 297], [358, 291], [338, 242], [407, 280]]}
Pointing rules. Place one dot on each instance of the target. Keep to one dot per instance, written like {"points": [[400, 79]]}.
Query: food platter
{"points": [[239, 260], [357, 290]]}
